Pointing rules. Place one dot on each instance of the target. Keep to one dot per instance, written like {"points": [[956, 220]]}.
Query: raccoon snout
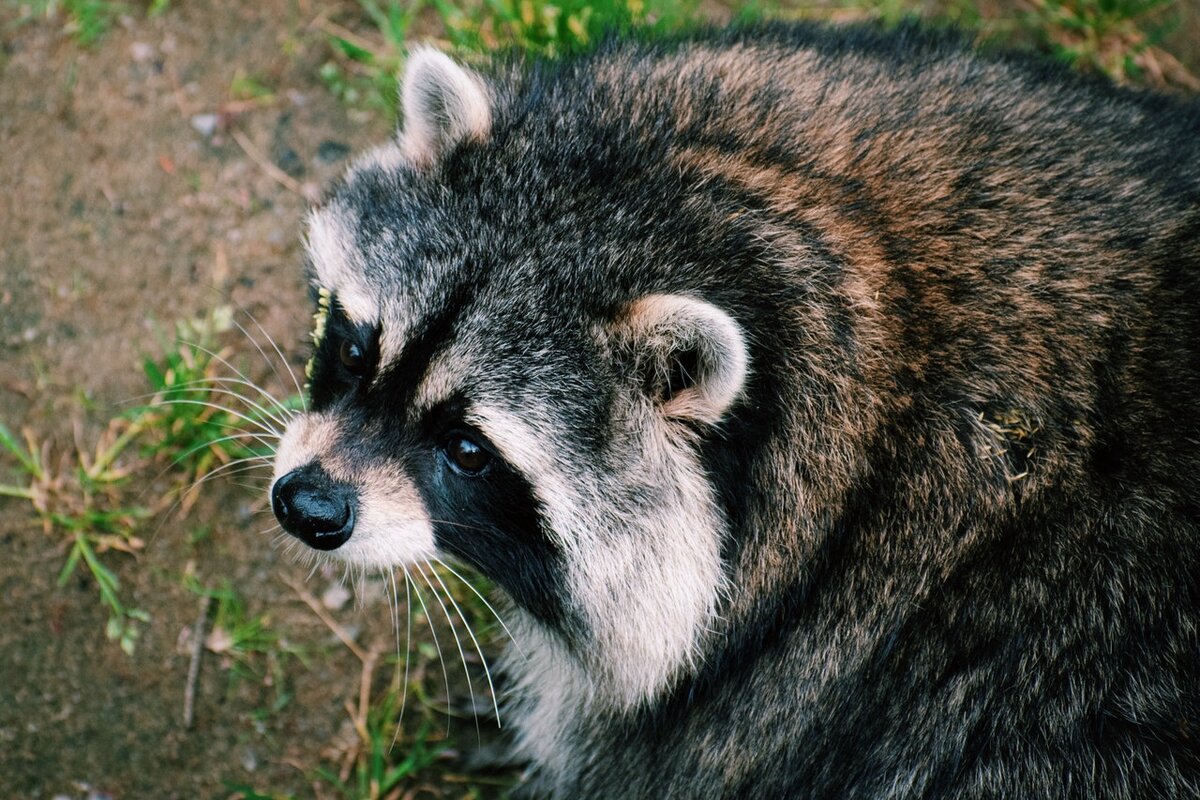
{"points": [[314, 508]]}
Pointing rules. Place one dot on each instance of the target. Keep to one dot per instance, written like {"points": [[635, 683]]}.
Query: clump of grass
{"points": [[534, 26], [86, 21], [393, 738], [1116, 37], [81, 496], [250, 89], [77, 497], [247, 644], [379, 763], [364, 67], [204, 414]]}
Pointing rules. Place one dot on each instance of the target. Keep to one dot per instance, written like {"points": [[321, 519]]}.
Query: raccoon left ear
{"points": [[692, 355], [443, 104]]}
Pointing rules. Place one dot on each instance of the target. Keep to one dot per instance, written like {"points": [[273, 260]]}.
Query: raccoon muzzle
{"points": [[315, 508]]}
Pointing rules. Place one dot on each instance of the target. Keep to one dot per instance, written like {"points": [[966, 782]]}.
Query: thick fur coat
{"points": [[838, 401]]}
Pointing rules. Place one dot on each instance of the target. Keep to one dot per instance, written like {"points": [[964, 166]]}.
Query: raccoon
{"points": [[823, 401]]}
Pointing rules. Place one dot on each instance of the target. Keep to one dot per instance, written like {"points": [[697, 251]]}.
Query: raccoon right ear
{"points": [[443, 104], [692, 355]]}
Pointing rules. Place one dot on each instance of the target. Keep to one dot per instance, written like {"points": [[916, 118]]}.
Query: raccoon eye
{"points": [[352, 357], [466, 455]]}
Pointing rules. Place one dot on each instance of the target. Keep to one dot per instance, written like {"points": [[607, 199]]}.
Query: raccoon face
{"points": [[480, 394]]}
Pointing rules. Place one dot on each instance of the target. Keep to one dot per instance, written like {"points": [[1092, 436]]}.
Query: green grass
{"points": [[248, 646], [367, 45], [364, 66], [197, 421], [1109, 36], [77, 498], [398, 733], [383, 763], [86, 21]]}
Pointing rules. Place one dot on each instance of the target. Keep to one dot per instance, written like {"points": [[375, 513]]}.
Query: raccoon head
{"points": [[504, 371]]}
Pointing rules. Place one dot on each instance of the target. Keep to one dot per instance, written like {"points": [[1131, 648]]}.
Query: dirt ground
{"points": [[121, 212]]}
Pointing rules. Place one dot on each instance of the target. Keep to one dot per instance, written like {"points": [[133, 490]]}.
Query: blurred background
{"points": [[157, 637]]}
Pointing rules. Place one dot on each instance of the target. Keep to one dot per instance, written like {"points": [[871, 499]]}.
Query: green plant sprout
{"points": [[79, 500]]}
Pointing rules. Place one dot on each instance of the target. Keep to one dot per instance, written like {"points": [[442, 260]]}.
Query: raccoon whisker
{"points": [[217, 356], [265, 531], [437, 646], [460, 525], [265, 459], [232, 468], [267, 430], [231, 367], [305, 556], [483, 600], [210, 390], [466, 624], [218, 379], [262, 352], [275, 347], [264, 440], [237, 465], [360, 588], [457, 643], [393, 601], [221, 380], [292, 548], [229, 438], [407, 645]]}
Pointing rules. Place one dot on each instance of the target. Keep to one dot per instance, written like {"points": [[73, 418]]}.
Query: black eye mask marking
{"points": [[485, 513], [344, 353]]}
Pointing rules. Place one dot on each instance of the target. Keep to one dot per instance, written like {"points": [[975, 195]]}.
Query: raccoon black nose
{"points": [[314, 508]]}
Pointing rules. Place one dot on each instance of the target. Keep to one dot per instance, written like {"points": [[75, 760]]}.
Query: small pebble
{"points": [[204, 124]]}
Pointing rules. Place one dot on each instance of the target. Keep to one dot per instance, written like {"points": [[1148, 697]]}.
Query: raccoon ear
{"points": [[692, 355], [443, 104]]}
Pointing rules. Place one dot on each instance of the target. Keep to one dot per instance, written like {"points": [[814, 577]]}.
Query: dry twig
{"points": [[189, 692], [272, 171]]}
